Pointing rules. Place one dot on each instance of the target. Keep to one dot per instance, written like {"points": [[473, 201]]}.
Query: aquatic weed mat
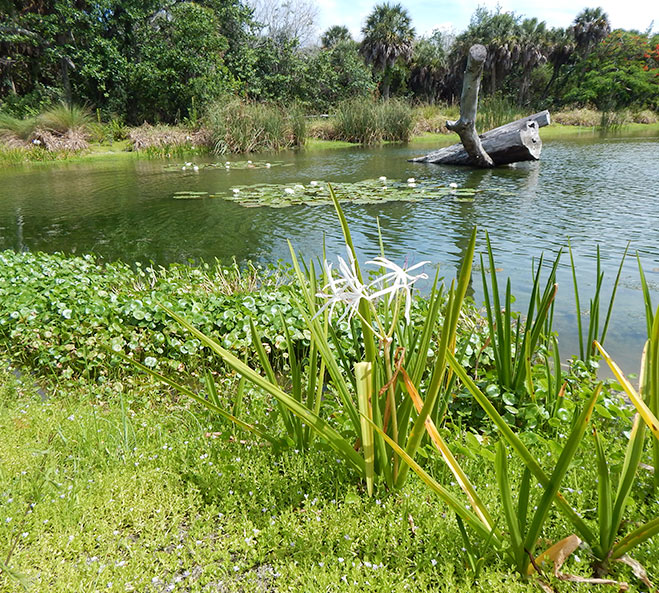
{"points": [[368, 191]]}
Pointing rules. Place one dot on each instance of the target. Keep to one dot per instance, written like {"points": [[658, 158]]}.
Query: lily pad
{"points": [[369, 191], [227, 165]]}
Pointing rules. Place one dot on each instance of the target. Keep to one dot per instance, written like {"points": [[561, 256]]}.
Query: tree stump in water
{"points": [[511, 143]]}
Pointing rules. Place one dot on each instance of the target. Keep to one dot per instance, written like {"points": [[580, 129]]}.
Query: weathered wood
{"points": [[513, 142], [465, 127]]}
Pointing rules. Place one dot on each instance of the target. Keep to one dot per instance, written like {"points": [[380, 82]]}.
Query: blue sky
{"points": [[428, 15]]}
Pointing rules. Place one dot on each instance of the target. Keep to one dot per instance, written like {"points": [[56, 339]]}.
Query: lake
{"points": [[589, 191]]}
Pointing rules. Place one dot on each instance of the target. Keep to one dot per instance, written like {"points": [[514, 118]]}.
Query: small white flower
{"points": [[411, 184], [268, 165], [249, 162], [235, 190], [289, 190], [188, 164], [453, 185], [227, 163], [36, 142], [298, 186], [383, 178], [195, 168], [411, 180], [313, 183]]}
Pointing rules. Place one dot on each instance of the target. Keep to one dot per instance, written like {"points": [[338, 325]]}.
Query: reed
{"points": [[369, 122], [237, 127]]}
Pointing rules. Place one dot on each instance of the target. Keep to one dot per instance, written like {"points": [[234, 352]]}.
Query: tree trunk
{"points": [[465, 127], [513, 142]]}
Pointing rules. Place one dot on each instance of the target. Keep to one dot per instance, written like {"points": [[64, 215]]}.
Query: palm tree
{"points": [[560, 52], [590, 27], [428, 67], [388, 37], [533, 53], [335, 35]]}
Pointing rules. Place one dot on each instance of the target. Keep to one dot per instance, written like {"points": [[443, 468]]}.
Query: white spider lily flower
{"points": [[399, 278], [346, 288]]}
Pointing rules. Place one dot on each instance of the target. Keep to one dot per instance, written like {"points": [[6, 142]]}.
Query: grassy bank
{"points": [[111, 494], [71, 135]]}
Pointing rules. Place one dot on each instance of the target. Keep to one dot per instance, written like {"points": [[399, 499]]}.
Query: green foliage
{"points": [[428, 67], [373, 122], [180, 63], [66, 315], [388, 38], [335, 35], [622, 71]]}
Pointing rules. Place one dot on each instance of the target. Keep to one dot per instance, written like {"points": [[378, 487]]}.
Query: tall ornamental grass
{"points": [[372, 122], [236, 126]]}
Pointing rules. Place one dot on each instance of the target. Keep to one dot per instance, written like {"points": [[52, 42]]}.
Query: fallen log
{"points": [[513, 142], [465, 127]]}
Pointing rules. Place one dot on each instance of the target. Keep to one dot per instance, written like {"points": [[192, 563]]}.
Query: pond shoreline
{"points": [[120, 150]]}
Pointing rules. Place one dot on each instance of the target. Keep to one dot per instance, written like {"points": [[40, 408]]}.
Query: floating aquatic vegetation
{"points": [[190, 195], [228, 165], [369, 191]]}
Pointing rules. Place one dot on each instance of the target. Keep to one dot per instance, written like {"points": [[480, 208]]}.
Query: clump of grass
{"points": [[14, 131], [64, 118], [433, 118], [577, 117], [323, 129], [236, 126], [370, 122], [162, 140], [496, 111], [63, 128], [644, 117]]}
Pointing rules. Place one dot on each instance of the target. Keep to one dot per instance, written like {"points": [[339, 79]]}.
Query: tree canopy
{"points": [[165, 60]]}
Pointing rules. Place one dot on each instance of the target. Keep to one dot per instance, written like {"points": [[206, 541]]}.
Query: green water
{"points": [[591, 191]]}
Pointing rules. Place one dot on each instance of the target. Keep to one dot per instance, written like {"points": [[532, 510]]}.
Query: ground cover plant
{"points": [[140, 498]]}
